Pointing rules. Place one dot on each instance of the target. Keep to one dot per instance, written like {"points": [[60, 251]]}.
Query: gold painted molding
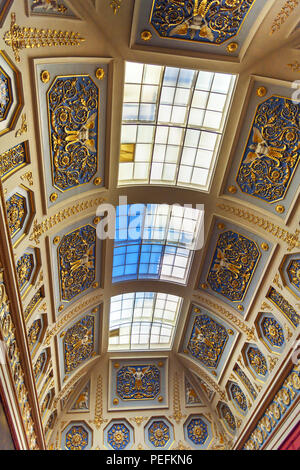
{"points": [[177, 414], [98, 420], [287, 9], [291, 239], [40, 228], [67, 388]]}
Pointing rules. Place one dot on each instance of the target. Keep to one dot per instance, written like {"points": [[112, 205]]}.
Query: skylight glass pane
{"points": [[184, 108], [143, 321], [155, 241]]}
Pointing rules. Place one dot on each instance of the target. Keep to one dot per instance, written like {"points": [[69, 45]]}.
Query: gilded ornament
{"points": [[240, 308], [138, 382], [100, 74], [284, 306], [56, 240], [177, 414], [28, 177], [160, 399], [24, 126], [264, 246], [53, 197], [95, 285], [97, 181], [232, 189], [115, 401], [60, 308], [115, 5], [19, 38], [280, 209], [12, 160], [79, 343], [221, 226], [118, 436], [283, 15], [96, 220], [45, 76], [159, 434], [295, 66], [146, 35], [232, 47], [261, 91], [76, 438]]}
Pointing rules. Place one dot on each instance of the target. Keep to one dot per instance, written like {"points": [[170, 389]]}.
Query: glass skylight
{"points": [[154, 241], [172, 124], [142, 320]]}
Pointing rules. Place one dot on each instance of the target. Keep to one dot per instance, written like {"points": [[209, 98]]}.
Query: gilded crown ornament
{"points": [[19, 38]]}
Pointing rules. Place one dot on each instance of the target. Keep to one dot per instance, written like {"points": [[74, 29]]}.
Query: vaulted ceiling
{"points": [[201, 373]]}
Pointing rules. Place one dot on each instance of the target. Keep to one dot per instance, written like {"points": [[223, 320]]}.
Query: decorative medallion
{"points": [[138, 382], [257, 361], [233, 265], [191, 395], [78, 343], [238, 397], [12, 160], [227, 416], [77, 262], [197, 431], [272, 331], [272, 152], [293, 271], [202, 21], [82, 402], [118, 436], [6, 98], [24, 268], [283, 305], [208, 340], [77, 438], [73, 108], [34, 333], [159, 434], [16, 208]]}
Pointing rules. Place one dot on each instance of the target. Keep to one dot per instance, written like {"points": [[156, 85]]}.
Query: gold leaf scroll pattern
{"points": [[77, 262], [73, 105], [206, 21]]}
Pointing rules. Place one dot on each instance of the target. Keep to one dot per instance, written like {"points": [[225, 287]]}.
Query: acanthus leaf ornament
{"points": [[19, 38]]}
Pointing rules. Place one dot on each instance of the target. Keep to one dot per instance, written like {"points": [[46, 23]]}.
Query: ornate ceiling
{"points": [[228, 378]]}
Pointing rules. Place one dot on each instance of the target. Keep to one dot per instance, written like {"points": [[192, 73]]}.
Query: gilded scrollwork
{"points": [[203, 21], [272, 151], [233, 264], [78, 343], [77, 262], [73, 107], [12, 160], [138, 382]]}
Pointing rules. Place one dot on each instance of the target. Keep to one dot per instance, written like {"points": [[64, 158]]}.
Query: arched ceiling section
{"points": [[239, 304]]}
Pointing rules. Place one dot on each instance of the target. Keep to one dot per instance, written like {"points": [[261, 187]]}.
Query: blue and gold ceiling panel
{"points": [[234, 262], [4, 8], [40, 366], [237, 397], [192, 397], [13, 159], [290, 273], [57, 8], [284, 306], [198, 432], [245, 381], [138, 384], [76, 255], [118, 435], [227, 417], [208, 340], [271, 333], [82, 401], [195, 26], [72, 112], [255, 362], [10, 93], [20, 210], [78, 343], [77, 436], [27, 268], [265, 170], [159, 433]]}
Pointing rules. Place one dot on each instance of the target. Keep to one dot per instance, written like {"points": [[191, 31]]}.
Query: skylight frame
{"points": [[166, 258], [198, 170], [131, 323]]}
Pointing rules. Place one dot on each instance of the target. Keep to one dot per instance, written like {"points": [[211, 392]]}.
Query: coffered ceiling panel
{"points": [[218, 27], [56, 8], [265, 170], [72, 110]]}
